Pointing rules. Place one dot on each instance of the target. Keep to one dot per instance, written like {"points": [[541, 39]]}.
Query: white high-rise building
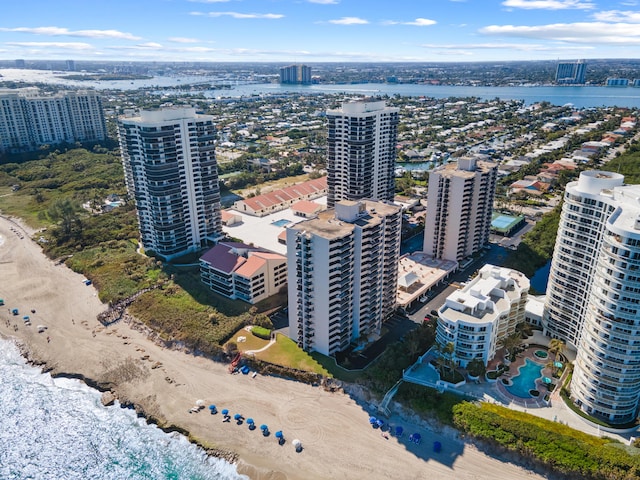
{"points": [[343, 274], [459, 208], [593, 296], [485, 311], [578, 241], [361, 148], [29, 119], [171, 171]]}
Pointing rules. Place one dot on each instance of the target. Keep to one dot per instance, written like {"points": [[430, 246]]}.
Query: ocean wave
{"points": [[58, 428]]}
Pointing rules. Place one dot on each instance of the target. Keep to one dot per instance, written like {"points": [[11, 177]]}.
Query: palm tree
{"points": [[511, 344], [557, 347]]}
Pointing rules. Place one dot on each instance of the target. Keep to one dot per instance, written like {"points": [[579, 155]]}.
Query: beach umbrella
{"points": [[200, 403], [225, 412], [279, 434], [250, 421], [399, 431], [297, 444], [212, 408], [237, 416], [264, 427], [372, 420], [416, 437]]}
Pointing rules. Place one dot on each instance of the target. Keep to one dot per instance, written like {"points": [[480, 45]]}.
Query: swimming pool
{"points": [[526, 379], [281, 223]]}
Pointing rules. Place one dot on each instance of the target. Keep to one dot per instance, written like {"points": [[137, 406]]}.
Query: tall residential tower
{"points": [[361, 151], [171, 172], [459, 208], [593, 296], [343, 274], [29, 119]]}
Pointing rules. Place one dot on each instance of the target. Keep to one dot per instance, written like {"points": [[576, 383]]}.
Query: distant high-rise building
{"points": [[71, 65], [295, 74], [485, 311], [459, 208], [361, 148], [20, 63], [593, 295], [171, 171], [570, 73], [343, 274], [28, 119], [617, 82]]}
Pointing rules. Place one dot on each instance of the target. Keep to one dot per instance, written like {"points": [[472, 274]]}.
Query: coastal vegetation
{"points": [[627, 164], [557, 446]]}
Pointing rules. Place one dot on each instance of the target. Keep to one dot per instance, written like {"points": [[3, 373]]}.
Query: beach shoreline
{"points": [[164, 384]]}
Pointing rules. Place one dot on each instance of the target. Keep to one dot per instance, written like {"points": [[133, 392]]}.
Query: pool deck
{"points": [[494, 392]]}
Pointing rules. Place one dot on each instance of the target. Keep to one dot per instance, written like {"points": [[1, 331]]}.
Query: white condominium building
{"points": [[361, 148], [596, 288], [578, 241], [459, 208], [343, 274], [171, 172], [29, 119], [482, 313]]}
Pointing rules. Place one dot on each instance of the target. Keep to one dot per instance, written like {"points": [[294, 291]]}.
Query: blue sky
{"points": [[319, 30]]}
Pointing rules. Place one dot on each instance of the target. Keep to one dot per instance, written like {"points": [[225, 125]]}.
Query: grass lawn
{"points": [[336, 371], [252, 342], [285, 352]]}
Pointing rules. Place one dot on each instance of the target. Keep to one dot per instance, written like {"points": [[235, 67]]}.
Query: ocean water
{"points": [[55, 428]]}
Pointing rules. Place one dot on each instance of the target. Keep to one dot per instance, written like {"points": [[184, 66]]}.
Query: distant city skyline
{"points": [[307, 31]]}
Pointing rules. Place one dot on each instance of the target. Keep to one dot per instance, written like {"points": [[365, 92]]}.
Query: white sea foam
{"points": [[58, 429]]}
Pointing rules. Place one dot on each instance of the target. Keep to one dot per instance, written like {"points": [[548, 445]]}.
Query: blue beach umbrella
{"points": [[399, 431], [279, 434], [250, 421], [212, 408], [264, 427], [225, 412], [373, 420], [237, 416]]}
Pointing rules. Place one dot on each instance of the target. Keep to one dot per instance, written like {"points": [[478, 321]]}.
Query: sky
{"points": [[319, 30]]}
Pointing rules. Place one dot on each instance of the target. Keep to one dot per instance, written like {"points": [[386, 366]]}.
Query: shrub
{"points": [[261, 332]]}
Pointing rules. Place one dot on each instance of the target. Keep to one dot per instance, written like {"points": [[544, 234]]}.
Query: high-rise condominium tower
{"points": [[570, 73], [593, 296], [459, 208], [171, 171], [343, 274], [295, 74], [29, 119], [361, 151]]}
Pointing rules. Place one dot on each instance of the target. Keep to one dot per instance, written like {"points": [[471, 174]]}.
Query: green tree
{"points": [[557, 347], [511, 343], [65, 212]]}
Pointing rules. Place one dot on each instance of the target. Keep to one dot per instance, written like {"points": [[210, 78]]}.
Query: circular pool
{"points": [[541, 354]]}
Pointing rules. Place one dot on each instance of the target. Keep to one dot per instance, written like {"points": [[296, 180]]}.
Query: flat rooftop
{"points": [[263, 231], [424, 272]]}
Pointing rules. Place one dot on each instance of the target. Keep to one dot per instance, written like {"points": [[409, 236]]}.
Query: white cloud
{"points": [[418, 22], [183, 40], [584, 32], [59, 31], [325, 2], [525, 47], [349, 21], [69, 45], [549, 4], [238, 15], [617, 16]]}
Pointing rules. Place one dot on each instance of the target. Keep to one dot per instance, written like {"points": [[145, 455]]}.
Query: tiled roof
{"points": [[249, 268]]}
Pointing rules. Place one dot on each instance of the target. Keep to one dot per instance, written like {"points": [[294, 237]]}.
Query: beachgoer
{"points": [[48, 339]]}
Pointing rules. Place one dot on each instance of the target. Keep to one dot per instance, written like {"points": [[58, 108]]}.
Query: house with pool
{"points": [[475, 318]]}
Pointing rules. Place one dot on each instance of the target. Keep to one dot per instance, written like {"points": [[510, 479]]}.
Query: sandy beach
{"points": [[338, 442]]}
